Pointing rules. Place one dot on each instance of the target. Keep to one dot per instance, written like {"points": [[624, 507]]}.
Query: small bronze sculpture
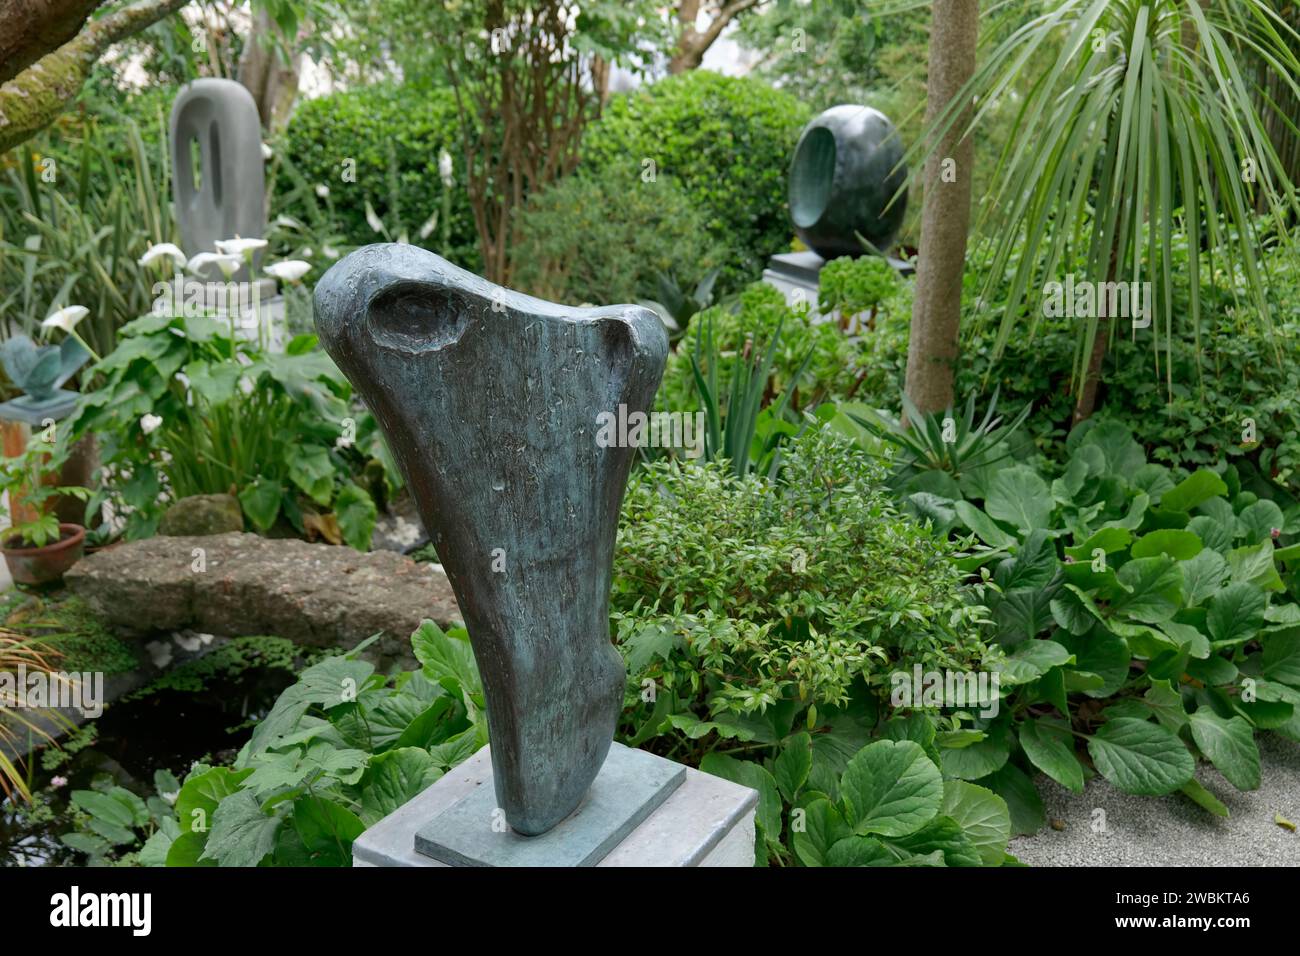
{"points": [[846, 170], [488, 399]]}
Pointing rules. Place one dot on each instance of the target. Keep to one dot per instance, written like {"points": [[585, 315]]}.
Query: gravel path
{"points": [[1173, 831]]}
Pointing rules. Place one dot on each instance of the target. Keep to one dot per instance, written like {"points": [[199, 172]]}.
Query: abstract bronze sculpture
{"points": [[847, 168], [488, 399]]}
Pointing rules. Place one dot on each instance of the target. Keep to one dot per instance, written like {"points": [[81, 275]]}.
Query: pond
{"points": [[165, 727]]}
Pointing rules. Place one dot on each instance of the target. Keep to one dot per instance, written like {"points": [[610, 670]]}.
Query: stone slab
{"points": [[707, 821], [630, 786], [316, 594]]}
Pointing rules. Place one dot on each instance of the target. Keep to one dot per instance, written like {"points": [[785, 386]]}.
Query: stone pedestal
{"points": [[698, 820]]}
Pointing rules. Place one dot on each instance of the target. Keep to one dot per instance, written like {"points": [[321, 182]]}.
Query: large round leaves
{"points": [[891, 788], [1140, 757]]}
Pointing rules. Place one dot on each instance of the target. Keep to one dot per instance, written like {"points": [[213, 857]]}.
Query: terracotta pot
{"points": [[43, 565]]}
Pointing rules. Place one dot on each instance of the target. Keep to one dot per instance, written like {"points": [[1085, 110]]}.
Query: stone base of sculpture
{"points": [[642, 810]]}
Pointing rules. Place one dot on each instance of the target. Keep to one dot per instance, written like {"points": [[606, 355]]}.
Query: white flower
{"points": [[65, 318], [290, 270], [430, 224], [330, 252], [444, 168], [307, 252], [149, 423], [240, 247], [266, 152], [373, 220], [342, 442], [163, 250], [169, 798], [228, 265], [246, 385], [322, 190]]}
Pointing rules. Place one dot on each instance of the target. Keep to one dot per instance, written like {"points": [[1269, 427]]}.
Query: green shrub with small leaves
{"points": [[856, 285], [602, 238], [726, 140], [817, 361], [391, 136], [737, 596]]}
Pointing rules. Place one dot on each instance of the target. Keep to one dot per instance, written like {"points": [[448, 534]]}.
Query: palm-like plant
{"points": [[1142, 135]]}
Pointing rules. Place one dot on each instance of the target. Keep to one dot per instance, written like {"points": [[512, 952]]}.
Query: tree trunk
{"points": [[36, 96], [272, 81], [1086, 403], [945, 213]]}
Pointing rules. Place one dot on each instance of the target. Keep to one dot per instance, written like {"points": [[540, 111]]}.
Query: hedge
{"points": [[361, 124], [727, 141]]}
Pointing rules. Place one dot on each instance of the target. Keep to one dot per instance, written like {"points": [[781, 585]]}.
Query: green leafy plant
{"points": [[853, 286], [603, 237], [75, 216], [1148, 617], [741, 426], [725, 140], [26, 480], [188, 408], [341, 749], [755, 607], [110, 820], [420, 123], [1141, 130], [937, 452], [677, 305], [896, 809]]}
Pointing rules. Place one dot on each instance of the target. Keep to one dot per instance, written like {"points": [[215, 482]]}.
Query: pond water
{"points": [[164, 729]]}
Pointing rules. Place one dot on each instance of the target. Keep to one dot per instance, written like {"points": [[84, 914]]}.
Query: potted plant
{"points": [[37, 546]]}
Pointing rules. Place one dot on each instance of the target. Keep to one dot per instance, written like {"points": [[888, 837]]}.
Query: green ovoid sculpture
{"points": [[489, 401]]}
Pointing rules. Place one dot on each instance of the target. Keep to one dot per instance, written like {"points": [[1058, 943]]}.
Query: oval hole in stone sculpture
{"points": [[416, 317], [214, 164], [811, 176]]}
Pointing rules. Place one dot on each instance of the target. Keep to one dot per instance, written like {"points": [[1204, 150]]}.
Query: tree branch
{"points": [[35, 97]]}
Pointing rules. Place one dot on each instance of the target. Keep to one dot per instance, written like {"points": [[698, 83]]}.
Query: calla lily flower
{"points": [[163, 251], [290, 270], [240, 247], [65, 318], [228, 264]]}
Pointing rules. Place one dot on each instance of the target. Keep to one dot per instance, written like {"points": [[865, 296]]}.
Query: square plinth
{"points": [[705, 821], [631, 785]]}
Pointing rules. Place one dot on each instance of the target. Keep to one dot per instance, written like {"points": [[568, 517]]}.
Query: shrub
{"points": [[726, 140], [739, 596], [1147, 612], [855, 285], [839, 365], [603, 238], [186, 408], [1235, 372], [768, 619], [395, 134]]}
